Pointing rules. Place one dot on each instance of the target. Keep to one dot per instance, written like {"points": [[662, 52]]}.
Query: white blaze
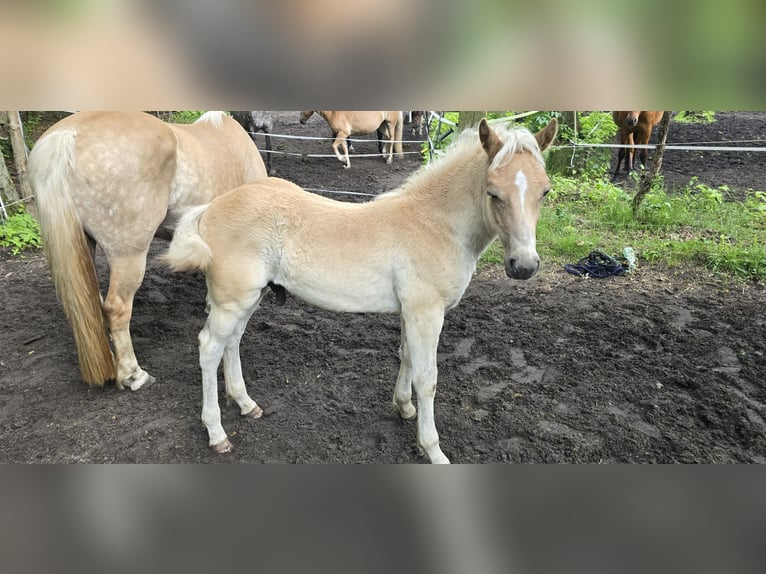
{"points": [[521, 183]]}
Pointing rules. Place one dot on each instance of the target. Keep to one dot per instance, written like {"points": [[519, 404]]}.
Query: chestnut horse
{"points": [[635, 128], [117, 179], [388, 126], [412, 251]]}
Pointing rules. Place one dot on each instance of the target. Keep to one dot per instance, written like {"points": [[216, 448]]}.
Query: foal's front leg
{"points": [[422, 335]]}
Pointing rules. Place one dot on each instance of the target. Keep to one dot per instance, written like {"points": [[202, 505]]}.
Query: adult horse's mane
{"points": [[215, 118], [465, 154]]}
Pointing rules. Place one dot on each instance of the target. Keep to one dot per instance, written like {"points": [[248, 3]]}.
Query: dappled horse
{"points": [[116, 180], [410, 251], [388, 126], [417, 120], [257, 121], [635, 129]]}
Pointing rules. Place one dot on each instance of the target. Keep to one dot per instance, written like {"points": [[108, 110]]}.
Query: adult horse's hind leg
{"points": [[423, 327], [126, 275], [340, 141]]}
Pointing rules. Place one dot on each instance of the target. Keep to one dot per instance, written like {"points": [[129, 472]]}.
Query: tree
{"points": [[8, 193], [648, 179]]}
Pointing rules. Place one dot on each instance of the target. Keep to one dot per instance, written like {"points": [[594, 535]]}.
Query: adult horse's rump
{"points": [[117, 179], [412, 251]]}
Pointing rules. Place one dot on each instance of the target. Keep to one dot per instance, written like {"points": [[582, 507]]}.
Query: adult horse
{"points": [[634, 127], [388, 126], [117, 179], [257, 121], [411, 251]]}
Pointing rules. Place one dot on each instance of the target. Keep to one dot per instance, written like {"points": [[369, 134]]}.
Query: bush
{"points": [[20, 232]]}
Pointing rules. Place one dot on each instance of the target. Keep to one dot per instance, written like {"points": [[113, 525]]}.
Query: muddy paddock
{"points": [[662, 366]]}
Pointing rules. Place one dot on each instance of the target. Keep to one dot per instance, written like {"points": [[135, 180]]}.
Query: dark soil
{"points": [[661, 366]]}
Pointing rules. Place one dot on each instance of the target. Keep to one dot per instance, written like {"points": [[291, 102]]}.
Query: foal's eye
{"points": [[545, 191], [493, 195]]}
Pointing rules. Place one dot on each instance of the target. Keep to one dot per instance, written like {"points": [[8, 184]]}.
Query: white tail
{"points": [[188, 251], [69, 257]]}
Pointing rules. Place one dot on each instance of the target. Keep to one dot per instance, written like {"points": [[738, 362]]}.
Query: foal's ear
{"points": [[489, 140], [546, 135]]}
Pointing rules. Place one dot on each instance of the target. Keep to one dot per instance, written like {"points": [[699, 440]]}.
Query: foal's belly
{"points": [[345, 293]]}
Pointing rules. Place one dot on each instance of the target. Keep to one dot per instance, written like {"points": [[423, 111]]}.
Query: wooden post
{"points": [[648, 179]]}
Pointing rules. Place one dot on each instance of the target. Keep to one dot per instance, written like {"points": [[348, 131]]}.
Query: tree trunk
{"points": [[648, 179], [8, 193], [469, 119], [19, 153]]}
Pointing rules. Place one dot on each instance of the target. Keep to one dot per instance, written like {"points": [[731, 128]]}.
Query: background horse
{"points": [[116, 180], [417, 120], [388, 126], [634, 126], [256, 121], [411, 251]]}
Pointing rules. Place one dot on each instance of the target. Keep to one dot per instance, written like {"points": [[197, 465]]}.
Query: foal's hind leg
{"points": [[403, 389], [232, 369], [126, 275], [223, 328]]}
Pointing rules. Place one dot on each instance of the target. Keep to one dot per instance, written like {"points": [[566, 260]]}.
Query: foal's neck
{"points": [[455, 192]]}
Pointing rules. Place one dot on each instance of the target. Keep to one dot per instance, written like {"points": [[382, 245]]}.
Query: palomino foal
{"points": [[411, 251]]}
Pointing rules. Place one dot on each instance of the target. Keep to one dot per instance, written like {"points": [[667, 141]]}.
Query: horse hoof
{"points": [[140, 381], [222, 447], [256, 413], [407, 412]]}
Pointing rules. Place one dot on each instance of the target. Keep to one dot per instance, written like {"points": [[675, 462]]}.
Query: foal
{"points": [[412, 251]]}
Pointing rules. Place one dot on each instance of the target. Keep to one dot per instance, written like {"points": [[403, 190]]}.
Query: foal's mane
{"points": [[467, 156]]}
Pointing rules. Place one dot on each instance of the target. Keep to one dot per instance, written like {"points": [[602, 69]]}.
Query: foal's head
{"points": [[516, 185]]}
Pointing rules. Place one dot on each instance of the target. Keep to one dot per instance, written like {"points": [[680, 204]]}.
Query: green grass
{"points": [[698, 227], [19, 232]]}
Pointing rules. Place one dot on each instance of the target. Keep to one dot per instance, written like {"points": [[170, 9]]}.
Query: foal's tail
{"points": [[70, 259], [188, 251], [398, 134]]}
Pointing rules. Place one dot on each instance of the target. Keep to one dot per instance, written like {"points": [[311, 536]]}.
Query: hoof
{"points": [[407, 412], [222, 447], [256, 413], [139, 380]]}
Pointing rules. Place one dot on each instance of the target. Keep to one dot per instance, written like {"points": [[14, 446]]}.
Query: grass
{"points": [[698, 227]]}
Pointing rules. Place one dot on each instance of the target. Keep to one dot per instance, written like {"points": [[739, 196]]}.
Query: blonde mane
{"points": [[214, 118], [466, 152]]}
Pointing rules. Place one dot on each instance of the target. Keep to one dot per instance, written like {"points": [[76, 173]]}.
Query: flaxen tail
{"points": [[398, 135], [69, 258], [188, 251]]}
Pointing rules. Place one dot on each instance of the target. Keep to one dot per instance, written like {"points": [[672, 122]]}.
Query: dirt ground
{"points": [[662, 366]]}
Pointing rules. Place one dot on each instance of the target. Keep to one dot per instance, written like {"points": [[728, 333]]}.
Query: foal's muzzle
{"points": [[516, 269]]}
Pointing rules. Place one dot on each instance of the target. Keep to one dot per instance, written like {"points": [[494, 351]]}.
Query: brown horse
{"points": [[388, 126], [635, 127], [412, 251], [116, 180]]}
